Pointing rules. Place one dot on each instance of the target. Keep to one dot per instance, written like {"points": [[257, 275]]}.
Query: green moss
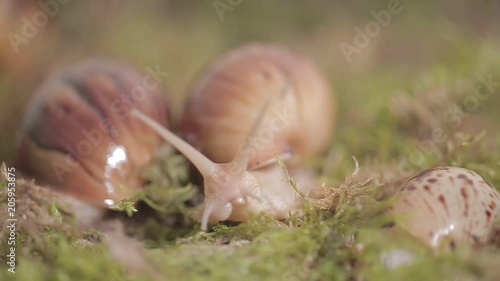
{"points": [[65, 260]]}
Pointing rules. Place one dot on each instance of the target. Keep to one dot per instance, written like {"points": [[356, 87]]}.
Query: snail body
{"points": [[447, 204], [232, 192], [77, 135], [233, 127]]}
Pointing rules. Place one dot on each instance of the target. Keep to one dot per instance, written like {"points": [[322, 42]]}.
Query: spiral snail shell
{"points": [[228, 97], [447, 204], [77, 135]]}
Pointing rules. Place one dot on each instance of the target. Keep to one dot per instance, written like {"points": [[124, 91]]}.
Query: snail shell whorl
{"points": [[78, 136], [447, 204], [228, 97]]}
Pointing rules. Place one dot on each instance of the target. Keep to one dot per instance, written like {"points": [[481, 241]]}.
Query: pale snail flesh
{"points": [[447, 204], [231, 106], [78, 137], [231, 191], [228, 96]]}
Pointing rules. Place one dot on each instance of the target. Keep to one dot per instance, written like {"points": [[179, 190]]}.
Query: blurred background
{"points": [[417, 42]]}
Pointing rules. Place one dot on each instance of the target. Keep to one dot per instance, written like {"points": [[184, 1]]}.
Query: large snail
{"points": [[233, 117], [447, 204], [78, 137]]}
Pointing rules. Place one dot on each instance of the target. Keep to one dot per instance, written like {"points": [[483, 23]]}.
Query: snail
{"points": [[77, 135], [449, 204], [249, 103]]}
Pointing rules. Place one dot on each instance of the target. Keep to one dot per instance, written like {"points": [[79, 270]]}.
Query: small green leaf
{"points": [[54, 211], [127, 206]]}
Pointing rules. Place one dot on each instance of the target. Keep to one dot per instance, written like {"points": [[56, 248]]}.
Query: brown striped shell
{"points": [[447, 204], [228, 97], [77, 134]]}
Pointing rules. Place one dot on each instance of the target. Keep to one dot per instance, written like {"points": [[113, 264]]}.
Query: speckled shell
{"points": [[228, 96], [77, 134], [447, 204]]}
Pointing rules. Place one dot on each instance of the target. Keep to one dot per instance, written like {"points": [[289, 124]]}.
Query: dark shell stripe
{"points": [[71, 119]]}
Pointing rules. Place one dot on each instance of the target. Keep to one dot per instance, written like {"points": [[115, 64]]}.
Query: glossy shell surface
{"points": [[78, 136], [447, 204]]}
